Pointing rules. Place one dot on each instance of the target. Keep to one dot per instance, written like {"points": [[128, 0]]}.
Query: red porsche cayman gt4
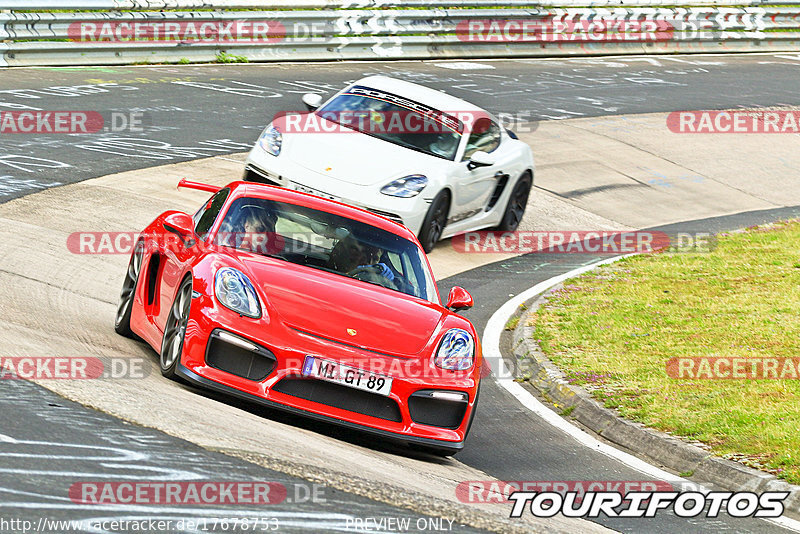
{"points": [[307, 305]]}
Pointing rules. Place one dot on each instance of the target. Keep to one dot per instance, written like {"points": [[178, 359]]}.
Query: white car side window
{"points": [[485, 136]]}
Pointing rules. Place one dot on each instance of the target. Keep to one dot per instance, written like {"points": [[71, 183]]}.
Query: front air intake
{"points": [[346, 398], [444, 409], [238, 356]]}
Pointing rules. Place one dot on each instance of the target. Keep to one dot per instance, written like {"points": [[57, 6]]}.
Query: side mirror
{"points": [[459, 299], [312, 101], [480, 159], [181, 225]]}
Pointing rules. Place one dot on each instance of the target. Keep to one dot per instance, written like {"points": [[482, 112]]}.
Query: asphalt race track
{"points": [[54, 442], [193, 112]]}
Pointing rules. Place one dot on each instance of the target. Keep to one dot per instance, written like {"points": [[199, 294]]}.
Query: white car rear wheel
{"points": [[517, 202]]}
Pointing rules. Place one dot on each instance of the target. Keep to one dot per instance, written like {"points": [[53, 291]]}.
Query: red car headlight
{"points": [[456, 351], [235, 291]]}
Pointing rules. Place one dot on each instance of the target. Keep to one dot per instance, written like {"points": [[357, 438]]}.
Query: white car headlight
{"points": [[235, 291], [271, 140], [405, 187], [456, 351]]}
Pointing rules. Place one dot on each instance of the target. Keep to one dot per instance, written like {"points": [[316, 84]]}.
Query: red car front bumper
{"points": [[269, 372]]}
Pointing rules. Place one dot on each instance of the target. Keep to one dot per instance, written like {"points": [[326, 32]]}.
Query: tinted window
{"points": [[395, 119], [328, 242], [205, 217], [485, 136]]}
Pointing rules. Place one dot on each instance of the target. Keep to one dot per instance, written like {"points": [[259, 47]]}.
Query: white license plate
{"points": [[354, 377], [304, 189]]}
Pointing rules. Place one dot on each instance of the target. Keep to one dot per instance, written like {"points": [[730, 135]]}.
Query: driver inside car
{"points": [[445, 145], [372, 269], [361, 261]]}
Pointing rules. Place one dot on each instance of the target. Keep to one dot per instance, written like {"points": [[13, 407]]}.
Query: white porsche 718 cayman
{"points": [[432, 162]]}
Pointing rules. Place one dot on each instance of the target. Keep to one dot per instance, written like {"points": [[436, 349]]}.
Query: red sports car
{"points": [[307, 305]]}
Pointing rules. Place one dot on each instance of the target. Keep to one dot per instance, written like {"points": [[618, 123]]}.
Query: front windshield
{"points": [[397, 120], [327, 242]]}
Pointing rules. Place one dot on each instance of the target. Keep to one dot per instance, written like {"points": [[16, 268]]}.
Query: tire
{"points": [[122, 321], [435, 221], [175, 329], [517, 202]]}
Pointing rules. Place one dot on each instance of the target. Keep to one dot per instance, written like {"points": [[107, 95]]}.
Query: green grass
{"points": [[224, 57], [512, 323], [612, 331]]}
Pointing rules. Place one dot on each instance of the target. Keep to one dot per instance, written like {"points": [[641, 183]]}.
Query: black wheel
{"points": [[122, 322], [435, 221], [517, 202], [175, 330]]}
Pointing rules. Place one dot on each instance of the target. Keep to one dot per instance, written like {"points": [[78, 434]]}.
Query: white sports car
{"points": [[430, 161]]}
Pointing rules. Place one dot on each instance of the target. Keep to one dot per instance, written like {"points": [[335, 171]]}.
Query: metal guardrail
{"points": [[122, 35], [282, 5]]}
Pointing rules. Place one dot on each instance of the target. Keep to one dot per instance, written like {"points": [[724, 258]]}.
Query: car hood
{"points": [[357, 158], [328, 305]]}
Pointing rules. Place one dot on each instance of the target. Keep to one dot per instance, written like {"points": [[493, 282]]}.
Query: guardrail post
{"points": [[4, 18]]}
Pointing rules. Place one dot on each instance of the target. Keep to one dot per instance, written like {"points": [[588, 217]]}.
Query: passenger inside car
{"points": [[253, 228]]}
